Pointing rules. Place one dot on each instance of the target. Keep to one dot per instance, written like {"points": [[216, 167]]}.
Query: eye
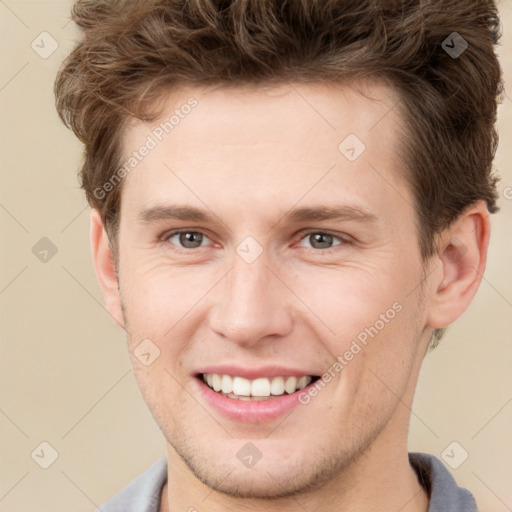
{"points": [[320, 240], [186, 239]]}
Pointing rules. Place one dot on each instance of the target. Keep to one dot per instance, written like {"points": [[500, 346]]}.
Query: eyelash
{"points": [[343, 240]]}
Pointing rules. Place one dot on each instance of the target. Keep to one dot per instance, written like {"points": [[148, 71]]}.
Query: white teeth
{"points": [[303, 382], [290, 385], [261, 388], [216, 382], [241, 386], [227, 384], [277, 386]]}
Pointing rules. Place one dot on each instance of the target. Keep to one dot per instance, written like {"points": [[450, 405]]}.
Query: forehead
{"points": [[264, 111], [254, 144]]}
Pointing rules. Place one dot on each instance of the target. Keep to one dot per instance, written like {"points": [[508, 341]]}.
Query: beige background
{"points": [[65, 374]]}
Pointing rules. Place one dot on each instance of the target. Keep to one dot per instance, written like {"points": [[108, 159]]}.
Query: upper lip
{"points": [[253, 373]]}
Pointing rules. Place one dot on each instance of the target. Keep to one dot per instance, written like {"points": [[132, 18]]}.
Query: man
{"points": [[290, 202]]}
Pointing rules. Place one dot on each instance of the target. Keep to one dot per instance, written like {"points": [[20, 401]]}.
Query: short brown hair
{"points": [[132, 51]]}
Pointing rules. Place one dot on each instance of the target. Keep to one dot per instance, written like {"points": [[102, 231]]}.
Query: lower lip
{"points": [[250, 411]]}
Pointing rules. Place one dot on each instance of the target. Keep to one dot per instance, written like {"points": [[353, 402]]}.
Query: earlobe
{"points": [[462, 258], [104, 266]]}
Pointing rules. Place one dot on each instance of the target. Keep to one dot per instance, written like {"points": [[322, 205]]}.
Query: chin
{"points": [[262, 483], [282, 471]]}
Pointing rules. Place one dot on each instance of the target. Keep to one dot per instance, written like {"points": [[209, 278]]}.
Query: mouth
{"points": [[259, 389]]}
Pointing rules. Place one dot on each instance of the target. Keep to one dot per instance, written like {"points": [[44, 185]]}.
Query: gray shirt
{"points": [[143, 493]]}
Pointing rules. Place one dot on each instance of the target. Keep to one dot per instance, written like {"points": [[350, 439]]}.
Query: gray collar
{"points": [[445, 494]]}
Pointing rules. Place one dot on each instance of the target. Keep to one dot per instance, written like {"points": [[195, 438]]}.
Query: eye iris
{"points": [[191, 239], [321, 240]]}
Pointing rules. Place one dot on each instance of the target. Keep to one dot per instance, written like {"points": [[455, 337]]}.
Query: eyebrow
{"points": [[298, 215], [176, 212], [341, 212]]}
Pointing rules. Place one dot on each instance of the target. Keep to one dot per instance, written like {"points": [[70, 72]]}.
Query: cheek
{"points": [[161, 392], [165, 305], [156, 296], [368, 322], [382, 356], [348, 300]]}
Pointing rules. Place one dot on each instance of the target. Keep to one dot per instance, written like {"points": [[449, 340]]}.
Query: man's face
{"points": [[302, 248]]}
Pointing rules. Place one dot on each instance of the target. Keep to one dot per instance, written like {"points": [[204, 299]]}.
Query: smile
{"points": [[262, 388]]}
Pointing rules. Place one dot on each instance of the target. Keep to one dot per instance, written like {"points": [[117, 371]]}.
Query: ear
{"points": [[104, 266], [461, 258]]}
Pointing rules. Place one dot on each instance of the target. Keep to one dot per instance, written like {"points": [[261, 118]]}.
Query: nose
{"points": [[251, 305]]}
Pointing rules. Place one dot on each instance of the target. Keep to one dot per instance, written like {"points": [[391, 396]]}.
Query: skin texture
{"points": [[248, 157]]}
